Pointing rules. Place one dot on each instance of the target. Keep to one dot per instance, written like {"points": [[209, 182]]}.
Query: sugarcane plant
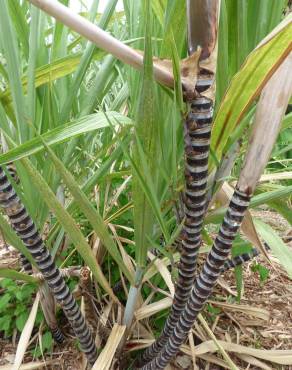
{"points": [[59, 90], [47, 299], [270, 111], [23, 224]]}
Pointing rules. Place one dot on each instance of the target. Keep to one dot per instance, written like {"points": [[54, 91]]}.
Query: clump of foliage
{"points": [[15, 301], [98, 146]]}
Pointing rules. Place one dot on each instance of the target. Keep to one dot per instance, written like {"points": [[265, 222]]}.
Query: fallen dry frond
{"points": [[105, 358], [282, 357], [25, 335]]}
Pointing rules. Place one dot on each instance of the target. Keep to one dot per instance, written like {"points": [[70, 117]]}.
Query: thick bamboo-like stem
{"points": [[206, 280], [24, 262], [197, 132], [240, 259], [269, 114], [67, 273], [47, 300], [28, 233]]}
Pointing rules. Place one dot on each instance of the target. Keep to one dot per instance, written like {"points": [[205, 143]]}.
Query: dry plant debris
{"points": [[253, 333]]}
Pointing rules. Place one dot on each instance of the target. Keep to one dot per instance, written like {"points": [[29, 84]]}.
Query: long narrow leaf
{"points": [[9, 43], [63, 133], [279, 248], [15, 275], [145, 134], [248, 83], [90, 212]]}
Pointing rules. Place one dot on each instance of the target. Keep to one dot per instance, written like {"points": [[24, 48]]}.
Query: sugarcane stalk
{"points": [[271, 108], [24, 226], [47, 300], [198, 124], [240, 259], [25, 264], [67, 273], [10, 168], [197, 132]]}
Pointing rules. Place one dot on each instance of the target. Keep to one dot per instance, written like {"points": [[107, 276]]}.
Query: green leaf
{"points": [[39, 317], [91, 213], [158, 7], [262, 270], [20, 24], [86, 59], [47, 73], [4, 283], [15, 275], [145, 137], [247, 85], [287, 121], [96, 178], [278, 247], [34, 43], [47, 340], [20, 307], [4, 300], [174, 28], [25, 292], [239, 280], [176, 74], [266, 197], [63, 133], [21, 320], [283, 208], [5, 322], [9, 43], [271, 196]]}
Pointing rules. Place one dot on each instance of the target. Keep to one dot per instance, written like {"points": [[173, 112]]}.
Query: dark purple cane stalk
{"points": [[24, 262], [206, 280], [197, 132], [242, 258], [47, 301], [28, 233]]}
